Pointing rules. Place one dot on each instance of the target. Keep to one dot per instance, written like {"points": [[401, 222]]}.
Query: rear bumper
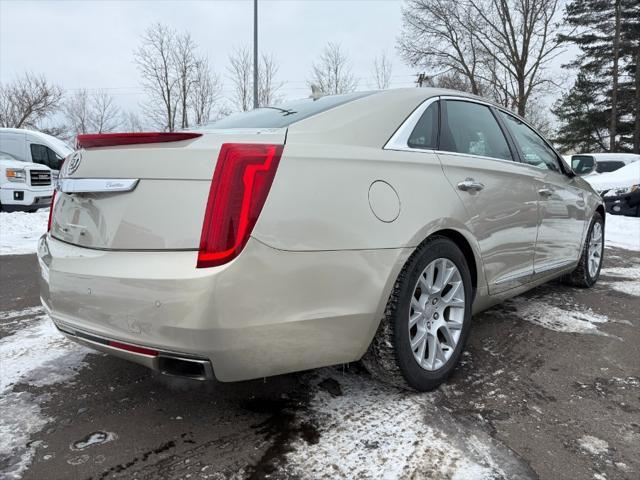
{"points": [[265, 313]]}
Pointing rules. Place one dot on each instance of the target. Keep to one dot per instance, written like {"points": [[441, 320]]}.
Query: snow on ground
{"points": [[555, 318], [19, 231], [374, 431], [37, 355], [622, 232], [627, 279], [593, 445]]}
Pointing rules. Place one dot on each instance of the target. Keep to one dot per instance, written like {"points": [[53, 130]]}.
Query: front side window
{"points": [[535, 150], [425, 133], [471, 128]]}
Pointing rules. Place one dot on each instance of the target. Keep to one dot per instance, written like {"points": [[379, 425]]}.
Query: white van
{"points": [[36, 147], [29, 165]]}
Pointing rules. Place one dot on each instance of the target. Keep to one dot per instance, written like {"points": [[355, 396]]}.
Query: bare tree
{"points": [[205, 93], [185, 65], [382, 68], [28, 100], [131, 122], [240, 73], [105, 116], [90, 113], [439, 35], [520, 36], [156, 62], [332, 74], [268, 86], [503, 47]]}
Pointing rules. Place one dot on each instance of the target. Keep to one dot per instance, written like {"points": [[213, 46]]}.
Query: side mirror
{"points": [[583, 164]]}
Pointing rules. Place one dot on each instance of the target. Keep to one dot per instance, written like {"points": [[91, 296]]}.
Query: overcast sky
{"points": [[89, 44]]}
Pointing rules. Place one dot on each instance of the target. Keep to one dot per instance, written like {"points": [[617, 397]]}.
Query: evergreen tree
{"points": [[608, 34]]}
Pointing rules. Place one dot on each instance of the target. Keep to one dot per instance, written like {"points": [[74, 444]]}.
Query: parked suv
{"points": [[24, 186], [323, 231]]}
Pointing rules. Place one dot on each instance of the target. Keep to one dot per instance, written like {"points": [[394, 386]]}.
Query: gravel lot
{"points": [[549, 387]]}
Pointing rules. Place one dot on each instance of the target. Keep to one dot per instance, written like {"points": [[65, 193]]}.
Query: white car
{"points": [[34, 147], [323, 231], [619, 189], [24, 186]]}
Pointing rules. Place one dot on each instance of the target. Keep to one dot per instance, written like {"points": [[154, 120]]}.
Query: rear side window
{"points": [[285, 114], [605, 166], [471, 128], [535, 150], [425, 133]]}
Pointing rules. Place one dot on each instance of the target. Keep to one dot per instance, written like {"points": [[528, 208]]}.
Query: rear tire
{"points": [[586, 273], [421, 337]]}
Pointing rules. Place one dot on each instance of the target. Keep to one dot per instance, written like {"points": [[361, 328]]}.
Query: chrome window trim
{"points": [[400, 139], [97, 185]]}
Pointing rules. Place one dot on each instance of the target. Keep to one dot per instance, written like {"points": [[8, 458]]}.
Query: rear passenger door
{"points": [[497, 192], [562, 206]]}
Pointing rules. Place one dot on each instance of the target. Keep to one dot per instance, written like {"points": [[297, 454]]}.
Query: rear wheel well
{"points": [[600, 210], [467, 251]]}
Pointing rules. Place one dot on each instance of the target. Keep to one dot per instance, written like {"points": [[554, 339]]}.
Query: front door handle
{"points": [[545, 192], [470, 185]]}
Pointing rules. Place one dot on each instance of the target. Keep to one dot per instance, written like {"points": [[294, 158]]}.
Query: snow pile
{"points": [[622, 232], [554, 318], [627, 279], [19, 231], [38, 355], [593, 445], [374, 431]]}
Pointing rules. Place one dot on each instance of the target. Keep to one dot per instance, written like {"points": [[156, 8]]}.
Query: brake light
{"points": [[53, 201], [240, 185], [94, 140]]}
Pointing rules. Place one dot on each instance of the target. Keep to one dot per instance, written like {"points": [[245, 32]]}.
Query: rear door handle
{"points": [[470, 185], [545, 192]]}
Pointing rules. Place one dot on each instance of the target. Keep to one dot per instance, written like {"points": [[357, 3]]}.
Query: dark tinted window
{"points": [[425, 133], [605, 166], [45, 156], [285, 114], [582, 163], [471, 128], [535, 150]]}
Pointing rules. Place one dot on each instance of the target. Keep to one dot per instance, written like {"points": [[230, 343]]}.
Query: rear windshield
{"points": [[285, 114]]}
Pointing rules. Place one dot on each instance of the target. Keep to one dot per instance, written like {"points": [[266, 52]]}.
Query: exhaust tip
{"points": [[182, 367]]}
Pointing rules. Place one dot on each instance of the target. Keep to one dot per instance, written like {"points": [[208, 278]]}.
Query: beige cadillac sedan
{"points": [[363, 226]]}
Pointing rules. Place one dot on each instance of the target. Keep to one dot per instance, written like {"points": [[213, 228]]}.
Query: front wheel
{"points": [[588, 270], [427, 319]]}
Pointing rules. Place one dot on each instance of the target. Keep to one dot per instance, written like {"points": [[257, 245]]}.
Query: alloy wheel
{"points": [[436, 314], [595, 249]]}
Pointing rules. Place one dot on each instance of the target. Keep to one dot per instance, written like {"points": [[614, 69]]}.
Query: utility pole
{"points": [[255, 53]]}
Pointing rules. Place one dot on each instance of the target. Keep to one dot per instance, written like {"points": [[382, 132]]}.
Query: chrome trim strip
{"points": [[400, 139], [552, 265], [97, 185], [513, 277]]}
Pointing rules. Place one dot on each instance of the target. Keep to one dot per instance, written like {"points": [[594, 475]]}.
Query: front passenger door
{"points": [[497, 191], [562, 206]]}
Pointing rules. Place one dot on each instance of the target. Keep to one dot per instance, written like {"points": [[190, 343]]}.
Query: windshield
{"points": [[285, 114]]}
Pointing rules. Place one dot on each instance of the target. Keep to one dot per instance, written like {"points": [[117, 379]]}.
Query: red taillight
{"points": [[133, 348], [240, 185], [53, 201], [113, 139]]}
